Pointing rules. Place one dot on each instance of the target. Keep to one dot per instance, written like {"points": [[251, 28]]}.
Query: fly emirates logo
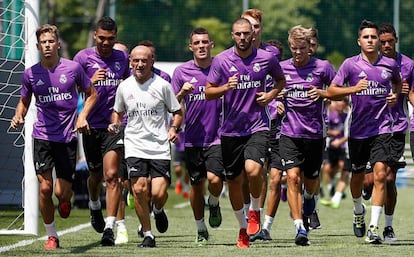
{"points": [[200, 96], [245, 82], [374, 88], [54, 95], [142, 110], [109, 81]]}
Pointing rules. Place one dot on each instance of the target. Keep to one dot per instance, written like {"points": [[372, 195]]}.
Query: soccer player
{"points": [[106, 67], [373, 82], [302, 130], [255, 18], [388, 39], [238, 74], [54, 82], [147, 99], [202, 121]]}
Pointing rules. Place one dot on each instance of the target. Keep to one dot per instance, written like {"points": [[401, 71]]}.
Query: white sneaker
{"points": [[121, 236]]}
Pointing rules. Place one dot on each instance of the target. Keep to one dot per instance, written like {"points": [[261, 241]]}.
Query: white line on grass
{"points": [[29, 242]]}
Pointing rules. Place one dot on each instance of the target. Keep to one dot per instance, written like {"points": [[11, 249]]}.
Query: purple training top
{"points": [[117, 69], [202, 117], [56, 93], [304, 117], [242, 115], [370, 115]]}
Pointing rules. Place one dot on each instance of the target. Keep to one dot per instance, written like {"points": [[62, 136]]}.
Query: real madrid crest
{"points": [[117, 66], [63, 79], [384, 74], [256, 67]]}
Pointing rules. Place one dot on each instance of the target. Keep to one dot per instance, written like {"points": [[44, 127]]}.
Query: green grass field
{"points": [[335, 237]]}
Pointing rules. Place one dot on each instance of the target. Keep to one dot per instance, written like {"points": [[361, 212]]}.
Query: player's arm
{"points": [[214, 91], [337, 92], [82, 124], [264, 98], [116, 121], [21, 111], [185, 90], [175, 127]]}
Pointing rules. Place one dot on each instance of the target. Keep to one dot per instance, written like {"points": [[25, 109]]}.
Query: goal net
{"points": [[18, 183]]}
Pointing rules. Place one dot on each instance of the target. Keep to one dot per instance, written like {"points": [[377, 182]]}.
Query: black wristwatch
{"points": [[177, 129]]}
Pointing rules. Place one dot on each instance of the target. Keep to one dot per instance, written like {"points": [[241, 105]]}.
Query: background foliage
{"points": [[168, 23]]}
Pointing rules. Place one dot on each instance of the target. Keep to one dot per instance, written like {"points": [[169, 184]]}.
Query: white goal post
{"points": [[30, 188]]}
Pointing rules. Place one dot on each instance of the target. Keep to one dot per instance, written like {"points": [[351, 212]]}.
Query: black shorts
{"points": [[303, 153], [202, 160], [178, 158], [335, 155], [274, 159], [147, 168], [62, 156], [364, 153], [397, 148], [236, 150], [123, 170], [98, 143]]}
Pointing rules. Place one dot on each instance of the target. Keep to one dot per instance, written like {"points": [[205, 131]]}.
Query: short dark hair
{"points": [[107, 23], [47, 28], [366, 24], [199, 31], [276, 43], [387, 28]]}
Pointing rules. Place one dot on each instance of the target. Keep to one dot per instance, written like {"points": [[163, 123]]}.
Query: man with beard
{"points": [[239, 76]]}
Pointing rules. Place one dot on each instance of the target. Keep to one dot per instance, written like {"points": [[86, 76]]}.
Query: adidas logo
{"points": [[362, 74], [288, 78], [40, 83], [120, 142], [232, 69], [96, 66], [193, 80]]}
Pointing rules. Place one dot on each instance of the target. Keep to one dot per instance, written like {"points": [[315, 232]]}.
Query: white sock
{"points": [[240, 216], [299, 224], [156, 211], [336, 199], [246, 208], [51, 230], [110, 222], [388, 220], [375, 215], [148, 233], [94, 205], [213, 201], [358, 209], [268, 222], [201, 225], [254, 203], [120, 224]]}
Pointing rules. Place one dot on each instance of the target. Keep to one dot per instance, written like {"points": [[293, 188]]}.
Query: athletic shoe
{"points": [[130, 200], [178, 187], [202, 238], [243, 239], [359, 223], [329, 204], [108, 238], [314, 222], [253, 222], [367, 192], [147, 242], [308, 206], [372, 236], [140, 231], [389, 235], [262, 235], [215, 216], [186, 195], [97, 220], [121, 236], [64, 209], [51, 243], [283, 194], [161, 221], [301, 237]]}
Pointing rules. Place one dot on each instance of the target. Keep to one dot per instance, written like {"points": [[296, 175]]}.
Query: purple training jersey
{"points": [[202, 117], [117, 69], [370, 115], [56, 93], [400, 109], [304, 116], [242, 115], [162, 74]]}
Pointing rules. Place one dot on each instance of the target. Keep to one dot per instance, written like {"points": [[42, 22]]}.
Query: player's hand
{"points": [[405, 89], [361, 85], [187, 88], [82, 126], [391, 99], [16, 121], [172, 135], [100, 74], [263, 98], [113, 128], [313, 93], [233, 81]]}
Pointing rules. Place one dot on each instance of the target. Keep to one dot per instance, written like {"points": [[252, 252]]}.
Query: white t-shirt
{"points": [[147, 107]]}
